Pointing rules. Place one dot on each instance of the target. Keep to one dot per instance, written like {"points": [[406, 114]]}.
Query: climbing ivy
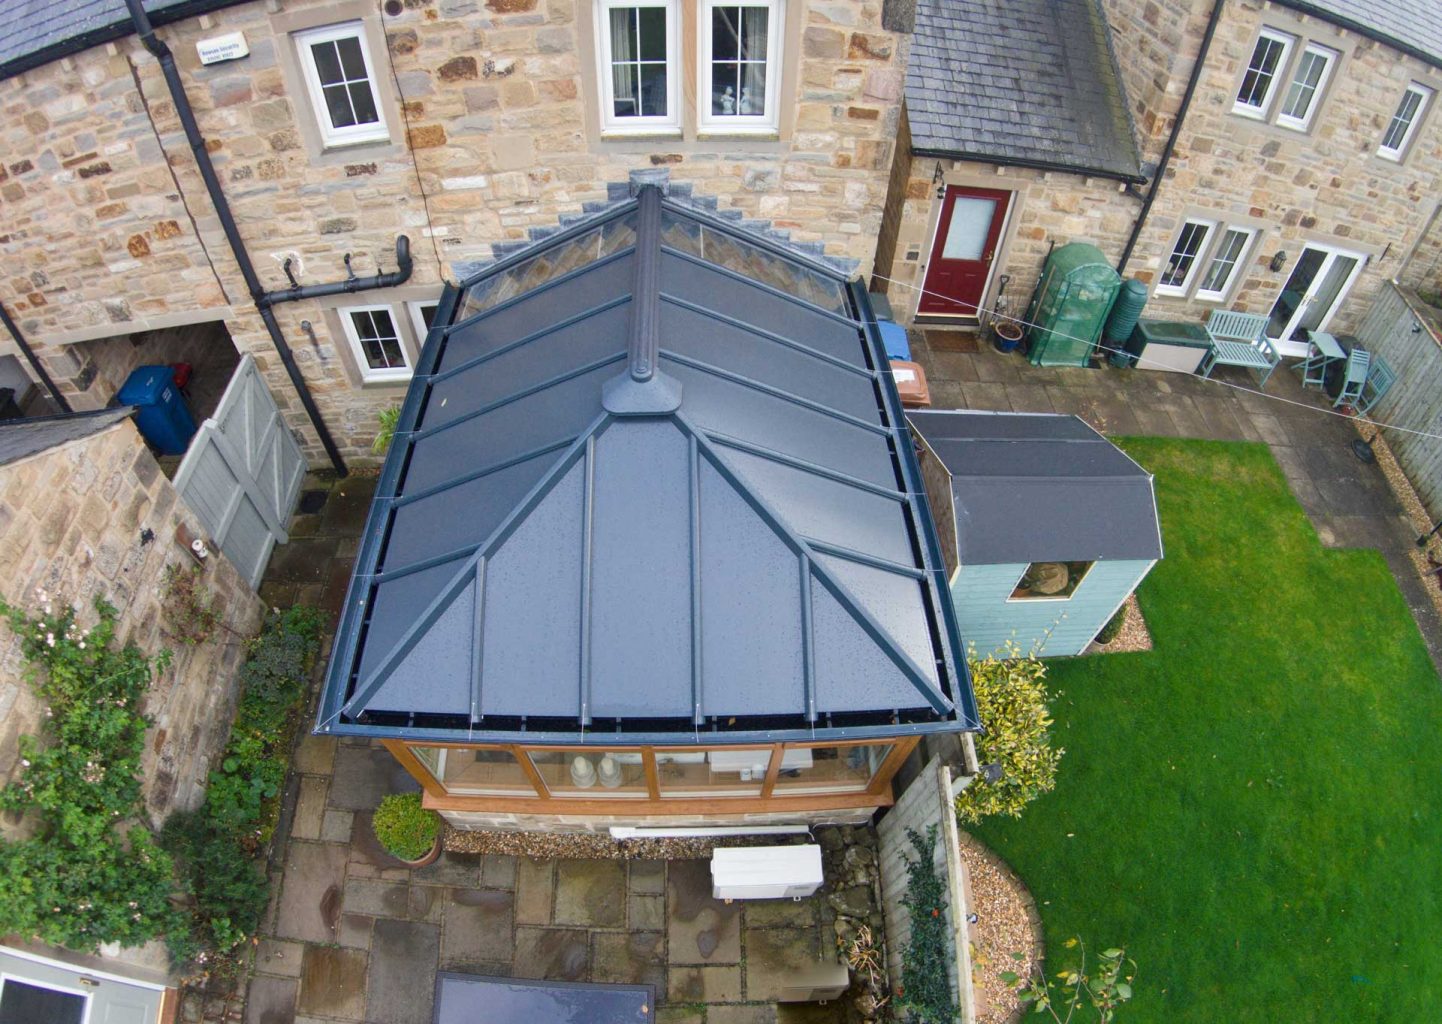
{"points": [[926, 964]]}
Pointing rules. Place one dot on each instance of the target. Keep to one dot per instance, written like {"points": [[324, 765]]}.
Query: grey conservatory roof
{"points": [[1033, 487], [1030, 82], [649, 485]]}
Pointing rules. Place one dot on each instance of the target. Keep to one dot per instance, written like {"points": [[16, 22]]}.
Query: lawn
{"points": [[1254, 808]]}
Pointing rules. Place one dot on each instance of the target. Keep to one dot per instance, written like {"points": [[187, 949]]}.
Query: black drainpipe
{"points": [[1166, 158], [263, 300], [14, 330]]}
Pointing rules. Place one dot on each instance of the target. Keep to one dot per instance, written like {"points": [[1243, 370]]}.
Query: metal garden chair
{"points": [[1354, 377], [1380, 378]]}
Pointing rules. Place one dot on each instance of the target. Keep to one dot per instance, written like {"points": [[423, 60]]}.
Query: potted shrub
{"points": [[407, 830]]}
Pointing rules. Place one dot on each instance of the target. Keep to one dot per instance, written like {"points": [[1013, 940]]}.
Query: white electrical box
{"points": [[765, 872]]}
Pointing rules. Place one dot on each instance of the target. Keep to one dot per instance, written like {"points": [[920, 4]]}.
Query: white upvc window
{"points": [[1404, 122], [375, 339], [1304, 95], [639, 53], [422, 313], [340, 77], [1181, 266], [739, 65], [1226, 263], [1269, 57]]}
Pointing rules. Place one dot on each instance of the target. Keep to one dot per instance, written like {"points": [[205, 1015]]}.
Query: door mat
{"points": [[952, 341]]}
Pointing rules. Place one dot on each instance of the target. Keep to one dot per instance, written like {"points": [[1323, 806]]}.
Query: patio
{"points": [[1349, 502]]}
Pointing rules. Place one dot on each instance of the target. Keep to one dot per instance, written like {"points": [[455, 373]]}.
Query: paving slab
{"points": [[699, 929], [310, 907], [309, 808], [365, 774], [681, 1015], [781, 913], [314, 755], [375, 897], [355, 931], [646, 876], [646, 913], [335, 826], [588, 893], [457, 869], [477, 926], [270, 1000], [774, 956], [556, 954], [711, 984], [404, 955], [535, 884], [333, 983], [275, 956], [629, 958], [303, 560], [498, 871], [764, 1013]]}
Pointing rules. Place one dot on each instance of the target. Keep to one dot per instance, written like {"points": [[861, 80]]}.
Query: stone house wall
{"points": [[1155, 43], [70, 525], [105, 228]]}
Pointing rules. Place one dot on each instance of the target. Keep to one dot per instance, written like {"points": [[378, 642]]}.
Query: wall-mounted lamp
{"points": [[1278, 261]]}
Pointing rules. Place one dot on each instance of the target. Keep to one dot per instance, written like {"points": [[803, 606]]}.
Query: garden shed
{"points": [[649, 546], [1047, 527]]}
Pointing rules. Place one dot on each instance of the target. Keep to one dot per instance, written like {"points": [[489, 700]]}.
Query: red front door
{"points": [[961, 256]]}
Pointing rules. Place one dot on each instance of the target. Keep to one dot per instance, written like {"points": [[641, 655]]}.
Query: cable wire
{"points": [[1214, 380]]}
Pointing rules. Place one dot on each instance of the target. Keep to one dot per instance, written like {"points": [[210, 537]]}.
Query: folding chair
{"points": [[1354, 377], [1380, 378]]}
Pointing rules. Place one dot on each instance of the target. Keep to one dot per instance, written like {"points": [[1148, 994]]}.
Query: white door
{"points": [[1320, 280], [37, 990], [242, 473]]}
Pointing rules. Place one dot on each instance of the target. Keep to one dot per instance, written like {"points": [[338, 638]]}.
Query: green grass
{"points": [[1254, 808]]}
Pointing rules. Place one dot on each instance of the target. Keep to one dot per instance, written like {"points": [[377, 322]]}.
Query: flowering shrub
{"points": [[218, 844], [90, 872]]}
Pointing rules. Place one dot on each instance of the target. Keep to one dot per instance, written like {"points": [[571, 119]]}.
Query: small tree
{"points": [[1012, 700], [1105, 989]]}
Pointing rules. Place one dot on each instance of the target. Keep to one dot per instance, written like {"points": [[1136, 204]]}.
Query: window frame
{"points": [[740, 124], [415, 308], [616, 127], [1263, 112], [1210, 257], [1302, 124], [349, 135], [368, 373], [1398, 153], [1012, 597], [1199, 256]]}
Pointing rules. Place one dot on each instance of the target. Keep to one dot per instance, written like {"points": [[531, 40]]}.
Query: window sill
{"points": [[1251, 114], [668, 134], [767, 134], [386, 382]]}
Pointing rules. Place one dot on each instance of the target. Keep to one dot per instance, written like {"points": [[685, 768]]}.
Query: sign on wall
{"points": [[231, 46]]}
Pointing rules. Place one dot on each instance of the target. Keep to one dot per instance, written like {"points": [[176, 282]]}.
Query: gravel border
{"points": [[1412, 505], [1134, 635], [593, 846], [1007, 922]]}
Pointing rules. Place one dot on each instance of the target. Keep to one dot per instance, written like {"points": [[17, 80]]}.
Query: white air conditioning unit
{"points": [[765, 872]]}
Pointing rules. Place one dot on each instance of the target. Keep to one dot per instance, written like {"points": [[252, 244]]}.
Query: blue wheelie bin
{"points": [[160, 411]]}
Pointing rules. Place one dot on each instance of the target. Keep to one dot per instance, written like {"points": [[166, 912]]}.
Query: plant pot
{"points": [[1005, 335], [429, 858]]}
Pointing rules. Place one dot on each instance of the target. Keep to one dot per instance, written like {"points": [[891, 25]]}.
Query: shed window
{"points": [[1269, 56], [376, 341], [1050, 581], [342, 84], [1404, 122], [638, 54], [1182, 264], [739, 44]]}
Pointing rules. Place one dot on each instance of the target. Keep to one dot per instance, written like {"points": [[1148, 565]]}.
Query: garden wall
{"points": [[926, 802], [73, 522]]}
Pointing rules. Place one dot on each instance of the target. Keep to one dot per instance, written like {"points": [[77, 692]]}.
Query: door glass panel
{"points": [[970, 224], [592, 774], [842, 769], [23, 1003], [1327, 291], [1296, 288], [708, 773]]}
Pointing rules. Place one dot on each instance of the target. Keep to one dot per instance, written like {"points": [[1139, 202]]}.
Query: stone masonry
{"points": [[71, 522], [105, 228]]}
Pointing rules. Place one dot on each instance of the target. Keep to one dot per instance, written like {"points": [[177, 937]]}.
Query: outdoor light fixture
{"points": [[1279, 260]]}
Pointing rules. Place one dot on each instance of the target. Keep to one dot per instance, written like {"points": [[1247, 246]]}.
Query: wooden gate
{"points": [[242, 473]]}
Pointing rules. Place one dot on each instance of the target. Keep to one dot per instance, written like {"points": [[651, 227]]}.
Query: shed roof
{"points": [[648, 484], [1028, 81], [1034, 487], [20, 439]]}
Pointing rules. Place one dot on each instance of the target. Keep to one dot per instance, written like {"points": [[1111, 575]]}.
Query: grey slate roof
{"points": [[1031, 487], [37, 31], [648, 483], [1025, 81], [1412, 25], [20, 439]]}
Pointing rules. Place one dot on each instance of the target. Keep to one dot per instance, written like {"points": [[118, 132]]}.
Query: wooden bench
{"points": [[1240, 339]]}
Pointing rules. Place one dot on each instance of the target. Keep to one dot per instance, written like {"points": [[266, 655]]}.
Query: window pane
{"points": [[379, 340], [725, 33], [970, 225], [327, 64], [479, 772], [653, 90], [351, 61], [1219, 274], [709, 773], [1179, 267], [753, 90], [592, 774], [24, 1003], [1261, 69], [724, 84], [754, 28], [337, 103], [652, 33], [428, 314], [843, 769], [363, 102], [1304, 85], [1050, 580], [1402, 120]]}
